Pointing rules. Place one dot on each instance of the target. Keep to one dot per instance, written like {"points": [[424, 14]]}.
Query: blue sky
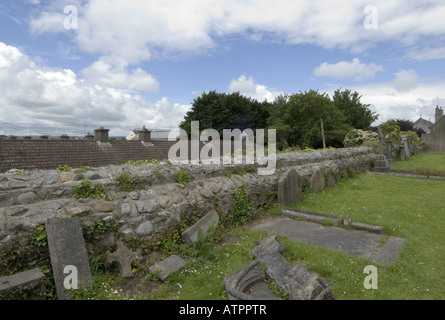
{"points": [[72, 66]]}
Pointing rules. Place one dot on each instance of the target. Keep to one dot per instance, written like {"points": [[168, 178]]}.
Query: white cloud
{"points": [[247, 87], [115, 76], [343, 69], [33, 94], [405, 80], [427, 53], [135, 30], [387, 100]]}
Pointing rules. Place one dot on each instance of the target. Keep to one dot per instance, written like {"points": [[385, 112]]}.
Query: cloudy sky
{"points": [[70, 66]]}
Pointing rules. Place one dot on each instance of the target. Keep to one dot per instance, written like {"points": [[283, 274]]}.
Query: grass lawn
{"points": [[430, 160], [409, 208]]}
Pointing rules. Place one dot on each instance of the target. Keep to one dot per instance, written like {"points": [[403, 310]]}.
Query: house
{"points": [[423, 124], [436, 138]]}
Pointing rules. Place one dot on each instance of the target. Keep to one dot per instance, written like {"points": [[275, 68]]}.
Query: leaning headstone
{"points": [[167, 266], [210, 220], [318, 181], [69, 258], [406, 145], [122, 257], [289, 188]]}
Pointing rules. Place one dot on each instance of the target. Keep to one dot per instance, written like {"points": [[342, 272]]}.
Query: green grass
{"points": [[430, 160]]}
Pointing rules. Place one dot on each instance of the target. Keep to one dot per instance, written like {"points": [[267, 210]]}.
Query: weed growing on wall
{"points": [[128, 182], [182, 176], [86, 189]]}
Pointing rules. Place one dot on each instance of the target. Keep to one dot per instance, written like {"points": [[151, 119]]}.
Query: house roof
{"points": [[49, 154]]}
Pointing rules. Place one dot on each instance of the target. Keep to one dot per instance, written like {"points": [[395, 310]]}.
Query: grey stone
{"points": [[145, 228], [205, 193], [163, 201], [146, 206], [67, 248], [367, 227], [51, 206], [298, 282], [16, 211], [52, 177], [20, 279], [312, 216], [289, 188], [17, 184], [122, 258], [248, 284], [167, 266], [126, 209], [27, 198], [317, 181], [103, 206], [6, 200], [203, 226], [347, 221]]}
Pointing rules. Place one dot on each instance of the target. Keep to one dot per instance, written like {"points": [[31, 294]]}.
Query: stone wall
{"points": [[27, 199]]}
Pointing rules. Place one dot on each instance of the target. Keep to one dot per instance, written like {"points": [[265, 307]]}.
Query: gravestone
{"points": [[69, 258], [406, 145], [122, 257], [289, 188], [381, 164], [318, 181], [388, 142]]}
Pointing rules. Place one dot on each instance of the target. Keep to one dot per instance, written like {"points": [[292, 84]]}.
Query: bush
{"points": [[86, 189], [357, 138]]}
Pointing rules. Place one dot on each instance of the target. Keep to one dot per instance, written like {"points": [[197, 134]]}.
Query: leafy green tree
{"points": [[358, 115], [226, 111], [298, 120]]}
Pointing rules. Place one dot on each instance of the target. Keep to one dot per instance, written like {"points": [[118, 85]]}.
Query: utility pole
{"points": [[322, 134]]}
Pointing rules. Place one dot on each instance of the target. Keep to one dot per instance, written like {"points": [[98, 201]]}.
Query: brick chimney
{"points": [[439, 113], [144, 135], [101, 134]]}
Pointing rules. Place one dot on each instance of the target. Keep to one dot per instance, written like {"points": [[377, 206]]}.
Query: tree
{"points": [[226, 111], [358, 115], [298, 120]]}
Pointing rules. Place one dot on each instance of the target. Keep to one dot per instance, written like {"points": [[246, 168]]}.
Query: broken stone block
{"points": [[298, 282], [190, 235], [20, 279], [167, 266], [248, 284]]}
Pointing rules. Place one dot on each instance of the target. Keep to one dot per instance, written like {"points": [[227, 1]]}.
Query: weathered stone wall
{"points": [[27, 199]]}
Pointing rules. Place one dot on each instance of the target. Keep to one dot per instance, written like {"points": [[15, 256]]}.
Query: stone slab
{"points": [[289, 188], [167, 266], [67, 248], [317, 181], [312, 216], [203, 226], [20, 279], [354, 242]]}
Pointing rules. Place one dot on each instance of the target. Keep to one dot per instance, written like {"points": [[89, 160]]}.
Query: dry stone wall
{"points": [[28, 199]]}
